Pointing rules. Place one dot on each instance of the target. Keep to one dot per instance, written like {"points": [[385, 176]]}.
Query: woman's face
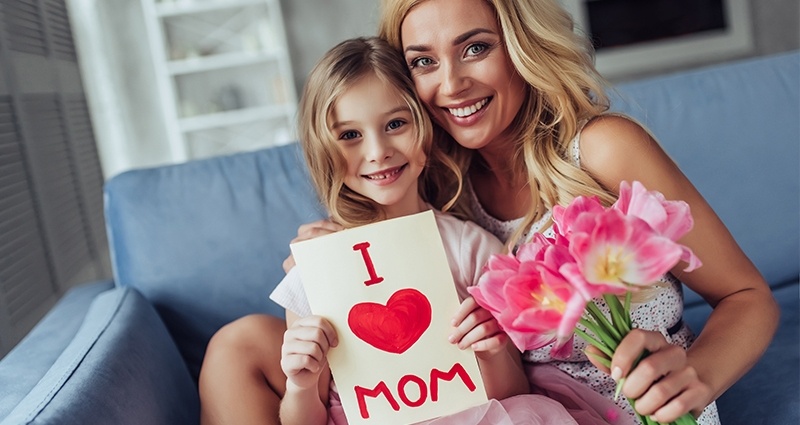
{"points": [[461, 69]]}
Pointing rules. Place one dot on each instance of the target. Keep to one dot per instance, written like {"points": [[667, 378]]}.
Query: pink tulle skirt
{"points": [[556, 399]]}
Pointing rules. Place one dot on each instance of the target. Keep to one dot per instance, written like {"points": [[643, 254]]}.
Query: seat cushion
{"points": [[204, 241]]}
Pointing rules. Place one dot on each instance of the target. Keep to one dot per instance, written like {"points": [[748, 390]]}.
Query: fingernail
{"points": [[450, 338], [616, 373]]}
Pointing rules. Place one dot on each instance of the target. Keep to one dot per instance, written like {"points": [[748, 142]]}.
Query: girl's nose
{"points": [[378, 148]]}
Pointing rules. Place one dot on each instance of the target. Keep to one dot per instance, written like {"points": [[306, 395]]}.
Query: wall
{"points": [[121, 83], [776, 28]]}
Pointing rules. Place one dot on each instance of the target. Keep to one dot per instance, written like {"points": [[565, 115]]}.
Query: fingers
{"points": [[593, 354], [631, 348], [316, 229], [310, 231], [288, 263], [306, 344], [663, 384], [476, 328]]}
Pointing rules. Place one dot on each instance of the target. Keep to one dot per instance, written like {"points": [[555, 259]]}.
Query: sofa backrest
{"points": [[734, 130], [204, 241]]}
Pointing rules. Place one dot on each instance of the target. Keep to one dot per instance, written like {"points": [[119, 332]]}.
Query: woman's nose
{"points": [[453, 80]]}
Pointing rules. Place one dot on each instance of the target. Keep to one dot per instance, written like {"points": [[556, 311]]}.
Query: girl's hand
{"points": [[476, 328], [310, 231], [663, 384], [305, 349]]}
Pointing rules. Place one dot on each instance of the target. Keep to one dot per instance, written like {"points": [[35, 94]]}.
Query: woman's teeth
{"points": [[468, 110]]}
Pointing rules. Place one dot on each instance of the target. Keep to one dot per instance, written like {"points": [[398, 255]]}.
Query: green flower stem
{"points": [[600, 333], [600, 346], [617, 314], [598, 358], [603, 322], [627, 309]]}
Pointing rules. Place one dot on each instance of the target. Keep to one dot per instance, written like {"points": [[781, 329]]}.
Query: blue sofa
{"points": [[197, 245]]}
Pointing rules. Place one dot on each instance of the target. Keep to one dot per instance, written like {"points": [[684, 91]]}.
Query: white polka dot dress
{"points": [[662, 311]]}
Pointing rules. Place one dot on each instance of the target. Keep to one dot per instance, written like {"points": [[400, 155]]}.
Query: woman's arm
{"points": [[499, 361], [304, 361], [615, 149]]}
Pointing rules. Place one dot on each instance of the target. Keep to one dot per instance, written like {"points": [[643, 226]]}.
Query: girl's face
{"points": [[461, 69], [376, 134]]}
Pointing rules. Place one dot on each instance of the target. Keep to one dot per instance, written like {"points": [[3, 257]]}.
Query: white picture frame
{"points": [[735, 40]]}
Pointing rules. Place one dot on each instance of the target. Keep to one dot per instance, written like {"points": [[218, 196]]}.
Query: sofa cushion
{"points": [[733, 131], [30, 360], [775, 380], [204, 241], [121, 361]]}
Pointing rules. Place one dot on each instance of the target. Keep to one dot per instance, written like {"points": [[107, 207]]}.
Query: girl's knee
{"points": [[256, 332]]}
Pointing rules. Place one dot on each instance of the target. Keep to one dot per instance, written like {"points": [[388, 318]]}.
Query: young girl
{"points": [[369, 147]]}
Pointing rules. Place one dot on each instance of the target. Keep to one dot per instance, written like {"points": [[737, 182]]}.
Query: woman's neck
{"points": [[502, 191]]}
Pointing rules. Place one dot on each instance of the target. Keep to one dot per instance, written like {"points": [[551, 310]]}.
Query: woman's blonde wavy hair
{"points": [[564, 90], [341, 68]]}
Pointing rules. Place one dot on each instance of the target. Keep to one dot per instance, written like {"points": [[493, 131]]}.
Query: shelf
{"points": [[220, 61], [235, 117], [185, 7]]}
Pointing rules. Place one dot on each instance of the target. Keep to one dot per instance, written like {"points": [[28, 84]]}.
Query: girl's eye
{"points": [[348, 135], [395, 124], [422, 62], [476, 49]]}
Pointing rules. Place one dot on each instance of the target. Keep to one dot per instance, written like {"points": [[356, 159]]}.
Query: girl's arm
{"points": [[499, 361], [614, 149], [304, 361]]}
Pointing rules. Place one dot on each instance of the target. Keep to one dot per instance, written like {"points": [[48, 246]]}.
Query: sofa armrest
{"points": [[122, 367], [32, 357]]}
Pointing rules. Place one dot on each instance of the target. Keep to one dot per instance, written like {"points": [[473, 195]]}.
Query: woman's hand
{"points": [[310, 231], [476, 328], [663, 384], [305, 349]]}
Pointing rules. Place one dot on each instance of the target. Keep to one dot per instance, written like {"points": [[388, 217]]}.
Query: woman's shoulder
{"points": [[615, 148]]}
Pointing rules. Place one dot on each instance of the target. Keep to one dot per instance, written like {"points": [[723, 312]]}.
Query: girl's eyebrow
{"points": [[402, 108], [458, 40]]}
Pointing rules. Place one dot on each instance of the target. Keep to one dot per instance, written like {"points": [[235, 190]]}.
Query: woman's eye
{"points": [[395, 124], [347, 135], [421, 62], [476, 49]]}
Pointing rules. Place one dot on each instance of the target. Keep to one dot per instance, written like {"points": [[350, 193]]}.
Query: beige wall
{"points": [[315, 26]]}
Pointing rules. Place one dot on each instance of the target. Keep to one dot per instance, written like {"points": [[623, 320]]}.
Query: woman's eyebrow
{"points": [[458, 40]]}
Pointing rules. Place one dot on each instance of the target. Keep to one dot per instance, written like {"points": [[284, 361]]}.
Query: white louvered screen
{"points": [[56, 186], [24, 29], [26, 284]]}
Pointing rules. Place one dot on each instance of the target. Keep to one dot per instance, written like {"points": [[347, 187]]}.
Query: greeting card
{"points": [[387, 290]]}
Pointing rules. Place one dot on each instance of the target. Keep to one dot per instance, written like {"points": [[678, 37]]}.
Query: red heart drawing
{"points": [[394, 327]]}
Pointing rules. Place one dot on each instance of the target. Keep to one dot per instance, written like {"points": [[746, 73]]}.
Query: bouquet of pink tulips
{"points": [[542, 292]]}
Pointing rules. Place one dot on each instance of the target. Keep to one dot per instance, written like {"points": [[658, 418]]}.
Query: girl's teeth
{"points": [[468, 110], [383, 176]]}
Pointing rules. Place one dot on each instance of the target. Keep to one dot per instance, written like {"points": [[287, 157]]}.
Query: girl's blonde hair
{"points": [[564, 90], [341, 68]]}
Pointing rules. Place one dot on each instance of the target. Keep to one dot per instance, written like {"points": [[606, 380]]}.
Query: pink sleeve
{"points": [[477, 245], [291, 295]]}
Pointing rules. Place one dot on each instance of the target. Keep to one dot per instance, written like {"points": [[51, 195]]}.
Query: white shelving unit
{"points": [[223, 74]]}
